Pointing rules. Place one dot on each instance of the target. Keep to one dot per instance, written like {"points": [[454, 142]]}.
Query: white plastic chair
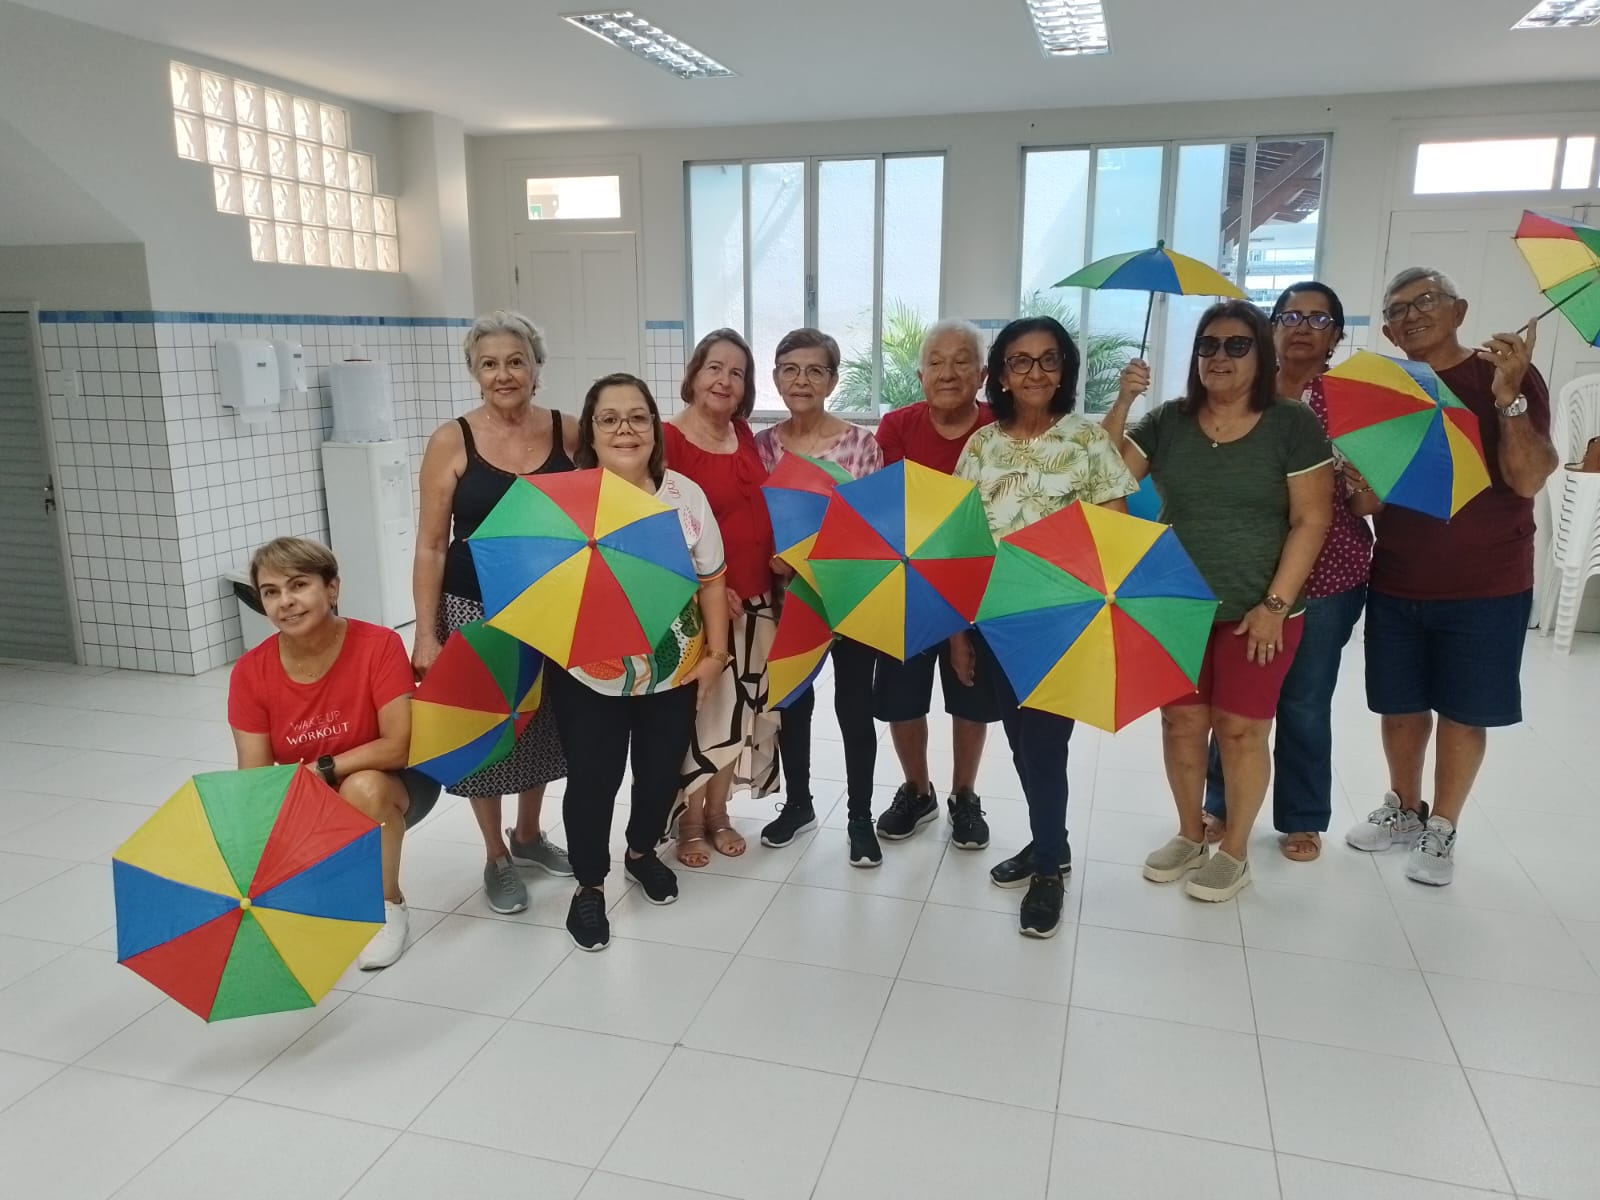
{"points": [[1575, 510]]}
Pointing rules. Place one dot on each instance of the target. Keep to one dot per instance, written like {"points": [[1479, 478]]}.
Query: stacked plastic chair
{"points": [[1575, 504]]}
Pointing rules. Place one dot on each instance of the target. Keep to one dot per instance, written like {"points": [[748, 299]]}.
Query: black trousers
{"points": [[597, 734], [853, 666]]}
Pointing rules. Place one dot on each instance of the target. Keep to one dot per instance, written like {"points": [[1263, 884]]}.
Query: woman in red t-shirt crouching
{"points": [[334, 693]]}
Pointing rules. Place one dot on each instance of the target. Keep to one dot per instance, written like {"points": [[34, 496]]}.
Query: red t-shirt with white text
{"points": [[336, 713], [909, 433]]}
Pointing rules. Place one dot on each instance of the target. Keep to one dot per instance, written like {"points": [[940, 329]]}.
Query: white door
{"points": [[1474, 247], [35, 614], [582, 291]]}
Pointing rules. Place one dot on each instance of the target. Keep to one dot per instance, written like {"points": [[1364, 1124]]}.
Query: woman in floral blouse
{"points": [[1037, 458]]}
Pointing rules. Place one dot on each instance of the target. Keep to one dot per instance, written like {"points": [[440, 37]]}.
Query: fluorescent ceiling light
{"points": [[1070, 27], [1561, 14], [631, 32]]}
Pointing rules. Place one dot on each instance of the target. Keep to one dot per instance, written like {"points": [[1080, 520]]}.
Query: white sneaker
{"points": [[1387, 825], [389, 943], [1432, 859]]}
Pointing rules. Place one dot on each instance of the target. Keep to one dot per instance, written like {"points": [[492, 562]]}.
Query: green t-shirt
{"points": [[1229, 503]]}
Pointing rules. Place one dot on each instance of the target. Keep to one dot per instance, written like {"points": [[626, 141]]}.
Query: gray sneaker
{"points": [[503, 887], [1175, 860], [544, 854], [1387, 825], [1220, 879], [1432, 859]]}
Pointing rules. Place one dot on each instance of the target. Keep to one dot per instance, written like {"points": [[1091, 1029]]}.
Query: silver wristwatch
{"points": [[1516, 408]]}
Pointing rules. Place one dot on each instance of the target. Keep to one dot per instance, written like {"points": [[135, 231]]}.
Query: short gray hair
{"points": [[1417, 275], [503, 320], [938, 329]]}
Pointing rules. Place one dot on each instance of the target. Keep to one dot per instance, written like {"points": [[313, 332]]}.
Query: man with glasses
{"points": [[1449, 603], [934, 433]]}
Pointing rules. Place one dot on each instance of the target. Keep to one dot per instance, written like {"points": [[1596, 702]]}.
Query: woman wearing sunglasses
{"points": [[1307, 323], [1246, 480]]}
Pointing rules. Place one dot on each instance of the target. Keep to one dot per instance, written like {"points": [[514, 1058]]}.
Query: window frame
{"points": [[811, 166], [625, 167], [1412, 134]]}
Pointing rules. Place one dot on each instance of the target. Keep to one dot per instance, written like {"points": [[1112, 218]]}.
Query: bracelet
{"points": [[722, 656], [1360, 490]]}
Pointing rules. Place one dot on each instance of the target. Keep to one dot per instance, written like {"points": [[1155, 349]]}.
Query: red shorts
{"points": [[1231, 682]]}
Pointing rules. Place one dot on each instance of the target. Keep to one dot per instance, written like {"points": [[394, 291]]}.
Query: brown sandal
{"points": [[689, 834], [1302, 847], [729, 847]]}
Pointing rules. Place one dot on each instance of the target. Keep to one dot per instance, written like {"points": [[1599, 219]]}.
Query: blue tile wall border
{"points": [[72, 316], [664, 325]]}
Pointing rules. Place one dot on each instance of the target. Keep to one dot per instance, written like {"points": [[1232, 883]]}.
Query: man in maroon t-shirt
{"points": [[1448, 607], [933, 433]]}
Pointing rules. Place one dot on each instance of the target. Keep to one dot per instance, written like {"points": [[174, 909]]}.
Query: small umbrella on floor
{"points": [[248, 892]]}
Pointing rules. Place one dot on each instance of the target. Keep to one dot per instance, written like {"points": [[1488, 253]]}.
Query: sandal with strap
{"points": [[728, 846], [1302, 847], [688, 835]]}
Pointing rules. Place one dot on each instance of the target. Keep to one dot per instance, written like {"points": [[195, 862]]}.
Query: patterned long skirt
{"points": [[536, 759], [734, 724]]}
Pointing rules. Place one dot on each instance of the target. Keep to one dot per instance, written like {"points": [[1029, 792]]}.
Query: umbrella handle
{"points": [[1557, 305], [1144, 338]]}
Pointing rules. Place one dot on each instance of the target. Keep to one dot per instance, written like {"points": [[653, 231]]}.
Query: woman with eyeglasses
{"points": [[1246, 480], [1037, 458], [1307, 323], [638, 710], [806, 372], [735, 737]]}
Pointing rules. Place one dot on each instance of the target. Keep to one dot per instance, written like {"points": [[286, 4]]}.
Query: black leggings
{"points": [[853, 666], [596, 731]]}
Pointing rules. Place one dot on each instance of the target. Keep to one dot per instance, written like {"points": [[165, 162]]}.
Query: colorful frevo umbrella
{"points": [[480, 694], [582, 566], [1406, 432], [797, 493], [1565, 259], [1154, 270], [902, 558], [248, 892], [1097, 616], [800, 646]]}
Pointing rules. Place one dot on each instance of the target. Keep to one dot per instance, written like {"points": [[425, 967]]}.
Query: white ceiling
{"points": [[506, 65]]}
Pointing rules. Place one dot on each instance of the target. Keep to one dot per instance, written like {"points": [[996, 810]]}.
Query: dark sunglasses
{"points": [[1207, 346], [1292, 317]]}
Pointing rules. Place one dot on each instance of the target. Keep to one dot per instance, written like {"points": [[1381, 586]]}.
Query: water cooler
{"points": [[367, 477]]}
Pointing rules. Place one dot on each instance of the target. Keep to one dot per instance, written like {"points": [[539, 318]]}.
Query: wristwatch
{"points": [[325, 769], [1516, 408], [1274, 604], [722, 656]]}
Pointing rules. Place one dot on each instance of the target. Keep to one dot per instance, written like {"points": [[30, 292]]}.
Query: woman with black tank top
{"points": [[469, 465]]}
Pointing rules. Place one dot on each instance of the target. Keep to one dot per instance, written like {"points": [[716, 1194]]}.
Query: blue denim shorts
{"points": [[1459, 658]]}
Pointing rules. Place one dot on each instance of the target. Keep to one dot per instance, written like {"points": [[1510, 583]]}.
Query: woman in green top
{"points": [[1245, 479], [1037, 458]]}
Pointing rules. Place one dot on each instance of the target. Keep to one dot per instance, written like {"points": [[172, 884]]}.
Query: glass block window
{"points": [[284, 163]]}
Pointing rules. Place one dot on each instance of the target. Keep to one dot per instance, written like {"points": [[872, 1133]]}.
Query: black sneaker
{"points": [[864, 848], [908, 812], [655, 878], [1015, 871], [586, 920], [1041, 907], [794, 818], [968, 829]]}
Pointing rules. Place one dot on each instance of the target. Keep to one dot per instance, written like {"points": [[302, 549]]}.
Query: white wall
{"points": [[983, 207], [94, 276], [98, 106]]}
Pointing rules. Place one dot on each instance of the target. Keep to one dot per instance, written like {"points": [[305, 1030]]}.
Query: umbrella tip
{"points": [[1161, 243], [244, 902]]}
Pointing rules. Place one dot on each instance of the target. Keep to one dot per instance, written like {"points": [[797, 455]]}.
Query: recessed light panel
{"points": [[1070, 27], [631, 32], [1561, 14]]}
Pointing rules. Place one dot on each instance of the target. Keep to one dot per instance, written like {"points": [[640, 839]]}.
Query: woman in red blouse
{"points": [[736, 738], [1307, 323]]}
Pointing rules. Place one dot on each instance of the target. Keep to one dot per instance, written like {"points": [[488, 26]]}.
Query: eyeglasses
{"points": [[1235, 347], [1021, 364], [789, 372], [1424, 303], [610, 422], [1290, 318]]}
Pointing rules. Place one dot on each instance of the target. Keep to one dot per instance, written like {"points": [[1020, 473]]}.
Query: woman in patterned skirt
{"points": [[736, 738], [469, 465]]}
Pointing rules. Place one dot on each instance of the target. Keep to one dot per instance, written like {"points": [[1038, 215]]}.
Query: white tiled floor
{"points": [[794, 1028]]}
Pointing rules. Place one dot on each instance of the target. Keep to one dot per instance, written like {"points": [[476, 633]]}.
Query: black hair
{"points": [[584, 456], [1265, 388], [1335, 305], [1002, 401]]}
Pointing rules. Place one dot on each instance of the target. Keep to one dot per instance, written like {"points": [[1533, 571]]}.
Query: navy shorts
{"points": [[1459, 658], [422, 792], [903, 691]]}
